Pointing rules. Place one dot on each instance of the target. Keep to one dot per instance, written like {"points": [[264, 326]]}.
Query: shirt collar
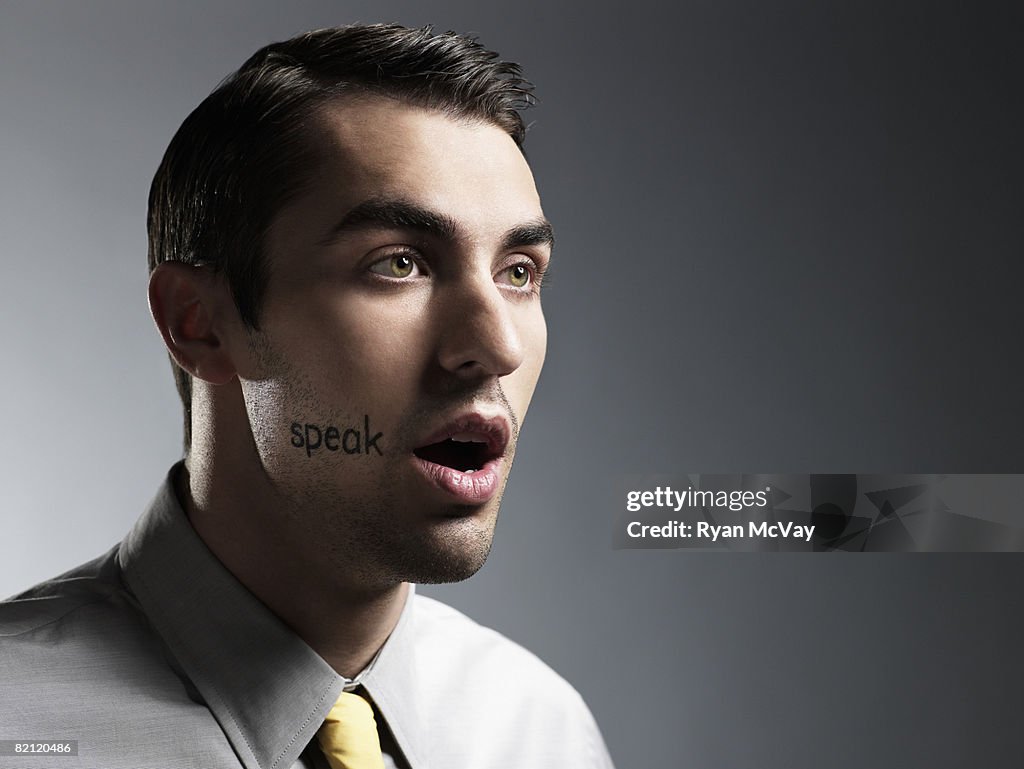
{"points": [[392, 683], [267, 688]]}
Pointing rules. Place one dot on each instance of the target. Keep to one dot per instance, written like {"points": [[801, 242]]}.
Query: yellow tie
{"points": [[349, 735]]}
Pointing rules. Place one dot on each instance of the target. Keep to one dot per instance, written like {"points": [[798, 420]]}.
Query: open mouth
{"points": [[468, 444], [464, 458], [461, 452]]}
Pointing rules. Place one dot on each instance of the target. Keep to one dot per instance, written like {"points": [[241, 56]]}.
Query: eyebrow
{"points": [[536, 233], [400, 214]]}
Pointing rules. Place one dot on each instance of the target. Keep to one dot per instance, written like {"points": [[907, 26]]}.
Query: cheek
{"points": [[378, 343], [354, 350]]}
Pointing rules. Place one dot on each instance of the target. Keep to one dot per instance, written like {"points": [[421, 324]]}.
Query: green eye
{"points": [[518, 275], [401, 266], [395, 266]]}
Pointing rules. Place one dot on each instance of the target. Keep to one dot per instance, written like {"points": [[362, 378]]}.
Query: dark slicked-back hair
{"points": [[246, 150]]}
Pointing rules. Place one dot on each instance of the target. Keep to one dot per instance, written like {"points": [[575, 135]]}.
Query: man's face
{"points": [[400, 342]]}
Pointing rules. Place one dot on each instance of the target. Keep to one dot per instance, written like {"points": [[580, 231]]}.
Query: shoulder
{"points": [[500, 689], [77, 637], [450, 637], [59, 600], [82, 620]]}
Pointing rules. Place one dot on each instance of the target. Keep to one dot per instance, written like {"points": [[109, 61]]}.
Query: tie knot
{"points": [[348, 736]]}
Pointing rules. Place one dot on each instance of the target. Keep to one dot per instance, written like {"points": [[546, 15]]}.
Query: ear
{"points": [[190, 305]]}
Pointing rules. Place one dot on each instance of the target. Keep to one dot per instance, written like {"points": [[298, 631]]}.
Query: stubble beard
{"points": [[379, 543], [370, 537]]}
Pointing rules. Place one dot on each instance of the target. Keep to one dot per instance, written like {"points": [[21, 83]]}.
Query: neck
{"points": [[344, 623]]}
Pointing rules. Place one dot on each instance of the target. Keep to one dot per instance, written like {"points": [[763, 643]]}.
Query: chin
{"points": [[447, 572], [455, 553]]}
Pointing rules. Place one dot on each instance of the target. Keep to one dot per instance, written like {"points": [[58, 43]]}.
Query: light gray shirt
{"points": [[155, 655]]}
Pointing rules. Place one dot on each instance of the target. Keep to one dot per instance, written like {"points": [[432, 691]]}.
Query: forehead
{"points": [[378, 148]]}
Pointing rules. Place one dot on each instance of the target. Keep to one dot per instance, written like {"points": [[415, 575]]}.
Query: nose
{"points": [[479, 337]]}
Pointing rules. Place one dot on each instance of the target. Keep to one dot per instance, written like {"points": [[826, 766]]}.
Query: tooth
{"points": [[464, 438]]}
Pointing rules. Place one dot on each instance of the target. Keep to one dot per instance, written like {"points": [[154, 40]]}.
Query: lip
{"points": [[468, 487]]}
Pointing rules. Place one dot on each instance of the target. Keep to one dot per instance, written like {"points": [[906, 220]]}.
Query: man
{"points": [[346, 253]]}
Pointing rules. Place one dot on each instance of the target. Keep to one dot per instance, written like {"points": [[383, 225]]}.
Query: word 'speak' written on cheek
{"points": [[350, 440]]}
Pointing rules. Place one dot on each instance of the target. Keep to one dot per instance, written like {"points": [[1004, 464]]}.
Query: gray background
{"points": [[789, 241]]}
